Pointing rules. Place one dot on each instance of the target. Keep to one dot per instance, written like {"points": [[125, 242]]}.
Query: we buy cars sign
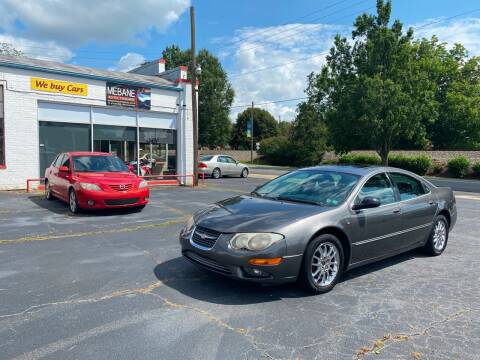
{"points": [[128, 96]]}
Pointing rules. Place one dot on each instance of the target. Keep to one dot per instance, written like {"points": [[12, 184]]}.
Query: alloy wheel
{"points": [[325, 264], [73, 202], [439, 235], [48, 194]]}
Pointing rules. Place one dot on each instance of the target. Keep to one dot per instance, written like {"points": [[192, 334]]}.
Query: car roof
{"points": [[355, 169], [87, 153]]}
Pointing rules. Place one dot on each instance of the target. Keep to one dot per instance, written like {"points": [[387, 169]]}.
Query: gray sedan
{"points": [[314, 224], [217, 166]]}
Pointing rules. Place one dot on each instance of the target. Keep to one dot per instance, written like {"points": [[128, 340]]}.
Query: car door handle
{"points": [[397, 210], [431, 202]]}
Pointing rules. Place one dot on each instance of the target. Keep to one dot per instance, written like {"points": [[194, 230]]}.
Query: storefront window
{"points": [[56, 138], [118, 140], [2, 131], [158, 148]]}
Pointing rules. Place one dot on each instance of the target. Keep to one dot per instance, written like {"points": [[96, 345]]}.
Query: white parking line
{"points": [[468, 197]]}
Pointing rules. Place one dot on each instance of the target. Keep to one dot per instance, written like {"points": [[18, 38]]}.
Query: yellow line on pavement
{"points": [[93, 233]]}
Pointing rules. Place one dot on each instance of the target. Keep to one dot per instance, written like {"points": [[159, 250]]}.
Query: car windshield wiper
{"points": [[286, 198], [256, 194]]}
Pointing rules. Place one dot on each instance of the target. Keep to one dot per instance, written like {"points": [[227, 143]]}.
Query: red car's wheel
{"points": [[73, 202]]}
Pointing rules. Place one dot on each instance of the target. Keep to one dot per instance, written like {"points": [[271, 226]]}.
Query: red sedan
{"points": [[94, 180]]}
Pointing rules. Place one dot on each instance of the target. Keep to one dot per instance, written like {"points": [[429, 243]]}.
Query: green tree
{"points": [[308, 136], [368, 91], [264, 126], [284, 128], [8, 49], [215, 95], [174, 57]]}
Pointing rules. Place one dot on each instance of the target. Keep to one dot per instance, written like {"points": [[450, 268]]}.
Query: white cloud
{"points": [[293, 50], [45, 50], [128, 62], [76, 22], [301, 47], [464, 31]]}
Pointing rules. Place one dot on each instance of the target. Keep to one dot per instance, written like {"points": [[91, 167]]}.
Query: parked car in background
{"points": [[217, 166], [94, 180], [314, 224]]}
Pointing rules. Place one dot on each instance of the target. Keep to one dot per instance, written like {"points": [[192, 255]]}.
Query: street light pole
{"points": [[194, 97], [251, 136]]}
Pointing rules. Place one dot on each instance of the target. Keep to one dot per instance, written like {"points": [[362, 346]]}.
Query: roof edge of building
{"points": [[10, 63]]}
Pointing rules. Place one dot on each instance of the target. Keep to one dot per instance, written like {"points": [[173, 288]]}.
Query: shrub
{"points": [[359, 159], [416, 164], [437, 168], [275, 150], [458, 166], [330, 162], [476, 169]]}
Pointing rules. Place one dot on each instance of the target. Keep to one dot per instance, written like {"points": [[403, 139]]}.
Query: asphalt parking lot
{"points": [[113, 285]]}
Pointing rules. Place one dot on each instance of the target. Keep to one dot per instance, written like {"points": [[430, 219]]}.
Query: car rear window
{"points": [[98, 164], [206, 157]]}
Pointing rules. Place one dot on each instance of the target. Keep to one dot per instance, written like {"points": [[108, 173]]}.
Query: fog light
{"points": [[91, 202], [256, 272]]}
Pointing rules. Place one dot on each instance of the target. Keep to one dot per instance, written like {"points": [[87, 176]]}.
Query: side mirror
{"points": [[63, 169], [368, 202]]}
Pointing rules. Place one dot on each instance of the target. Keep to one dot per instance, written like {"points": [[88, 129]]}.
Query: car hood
{"points": [[108, 177], [252, 214]]}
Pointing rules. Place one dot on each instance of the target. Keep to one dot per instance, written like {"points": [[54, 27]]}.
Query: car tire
{"points": [[244, 173], [73, 202], [48, 193], [216, 173], [438, 238], [323, 263]]}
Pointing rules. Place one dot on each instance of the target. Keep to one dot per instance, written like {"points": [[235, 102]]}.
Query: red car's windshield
{"points": [[98, 164]]}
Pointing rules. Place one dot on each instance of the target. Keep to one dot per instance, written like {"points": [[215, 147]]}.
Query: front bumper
{"points": [[88, 199], [234, 263]]}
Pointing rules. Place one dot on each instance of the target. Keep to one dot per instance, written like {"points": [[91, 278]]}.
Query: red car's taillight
{"points": [[202, 166]]}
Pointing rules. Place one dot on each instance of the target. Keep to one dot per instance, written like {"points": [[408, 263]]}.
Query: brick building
{"points": [[48, 107]]}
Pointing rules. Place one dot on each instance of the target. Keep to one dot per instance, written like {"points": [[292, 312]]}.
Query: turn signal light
{"points": [[202, 166], [272, 261]]}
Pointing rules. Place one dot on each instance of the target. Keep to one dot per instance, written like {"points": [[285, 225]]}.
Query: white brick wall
{"points": [[21, 124]]}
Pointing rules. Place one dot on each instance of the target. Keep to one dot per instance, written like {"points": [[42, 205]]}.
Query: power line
{"points": [[318, 25], [294, 61], [325, 53], [242, 40], [270, 102], [446, 19]]}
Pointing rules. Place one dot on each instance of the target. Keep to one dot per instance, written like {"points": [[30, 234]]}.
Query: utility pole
{"points": [[251, 136], [194, 97]]}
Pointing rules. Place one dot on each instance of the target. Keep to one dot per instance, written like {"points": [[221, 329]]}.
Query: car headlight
{"points": [[143, 184], [254, 241], [88, 186]]}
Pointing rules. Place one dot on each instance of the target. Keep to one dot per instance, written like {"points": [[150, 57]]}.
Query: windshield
{"points": [[326, 188], [98, 164]]}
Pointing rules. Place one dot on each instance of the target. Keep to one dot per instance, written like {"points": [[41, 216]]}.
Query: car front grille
{"points": [[121, 187], [207, 263], [205, 237], [115, 202]]}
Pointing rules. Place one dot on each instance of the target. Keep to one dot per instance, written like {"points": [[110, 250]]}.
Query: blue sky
{"points": [[267, 47]]}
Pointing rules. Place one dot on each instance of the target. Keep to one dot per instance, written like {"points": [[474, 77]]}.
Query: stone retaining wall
{"points": [[240, 155], [437, 156]]}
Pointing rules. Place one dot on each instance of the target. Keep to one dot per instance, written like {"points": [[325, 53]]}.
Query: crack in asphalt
{"points": [[115, 294], [147, 290], [390, 339], [96, 232]]}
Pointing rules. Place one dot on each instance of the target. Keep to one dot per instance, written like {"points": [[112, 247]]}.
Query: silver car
{"points": [[314, 224], [217, 166]]}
